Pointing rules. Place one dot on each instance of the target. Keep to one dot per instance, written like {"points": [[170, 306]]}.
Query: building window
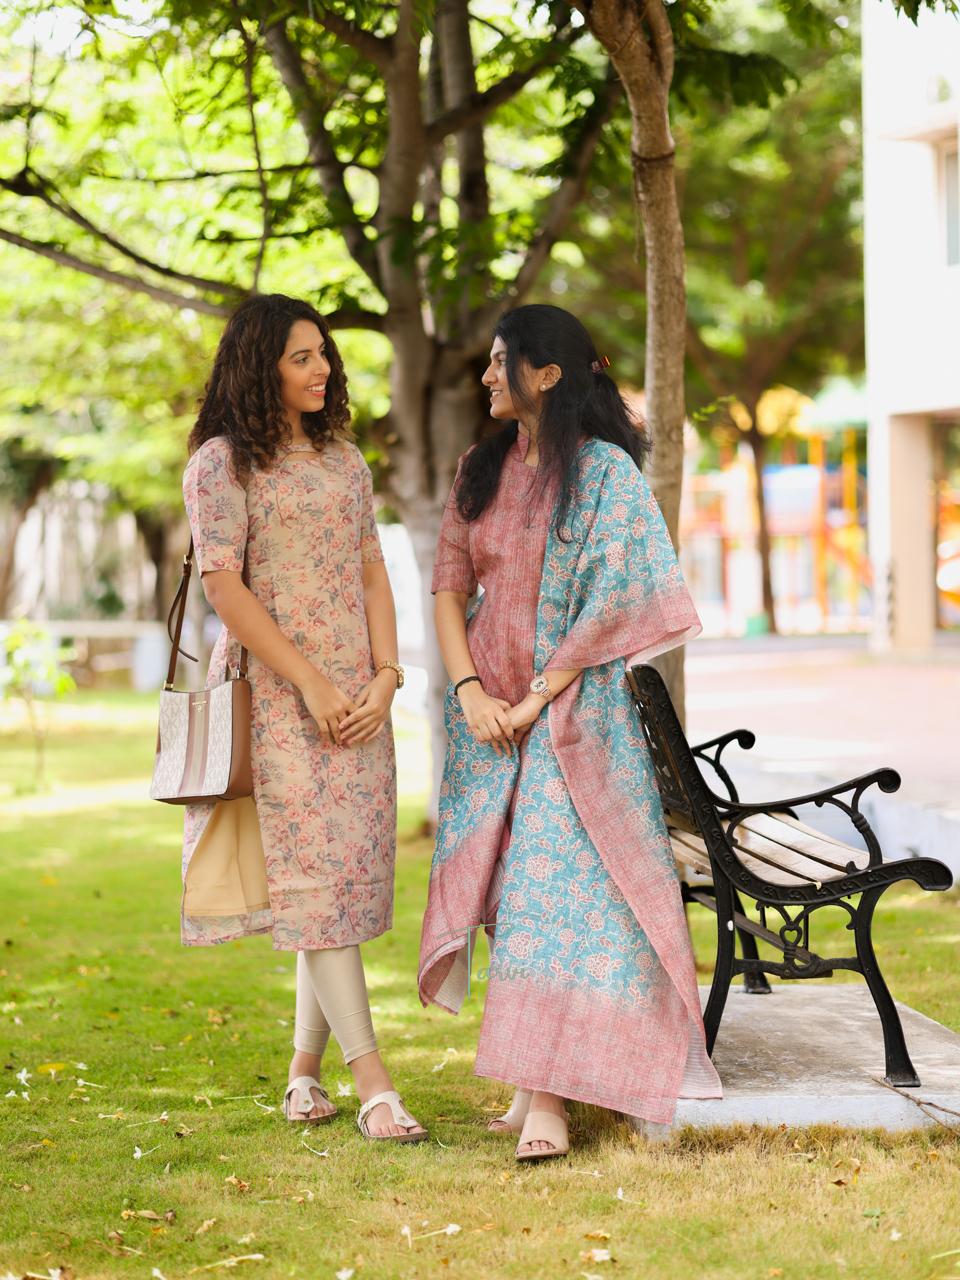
{"points": [[951, 206]]}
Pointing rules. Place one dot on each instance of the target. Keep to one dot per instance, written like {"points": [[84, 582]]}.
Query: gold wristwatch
{"points": [[393, 666], [539, 686]]}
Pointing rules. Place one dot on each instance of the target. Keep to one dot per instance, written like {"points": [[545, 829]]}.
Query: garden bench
{"points": [[762, 852]]}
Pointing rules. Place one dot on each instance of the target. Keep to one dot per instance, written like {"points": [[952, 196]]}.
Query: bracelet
{"points": [[466, 680], [392, 666]]}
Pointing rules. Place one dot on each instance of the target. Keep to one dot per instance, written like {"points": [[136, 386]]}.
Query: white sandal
{"points": [[512, 1120], [298, 1101], [400, 1117]]}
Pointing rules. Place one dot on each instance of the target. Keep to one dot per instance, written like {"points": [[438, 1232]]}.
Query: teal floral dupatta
{"points": [[561, 849]]}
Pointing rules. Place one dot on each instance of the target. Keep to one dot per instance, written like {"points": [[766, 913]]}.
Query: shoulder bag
{"points": [[203, 740]]}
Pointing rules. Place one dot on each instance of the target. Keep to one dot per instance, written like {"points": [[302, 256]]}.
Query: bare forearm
{"points": [[381, 614], [245, 618], [450, 616]]}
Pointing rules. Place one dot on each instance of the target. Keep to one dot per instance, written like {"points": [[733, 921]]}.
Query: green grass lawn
{"points": [[173, 1158]]}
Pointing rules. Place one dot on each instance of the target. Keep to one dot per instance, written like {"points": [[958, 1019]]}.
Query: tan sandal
{"points": [[544, 1126], [401, 1117], [512, 1120], [298, 1101]]}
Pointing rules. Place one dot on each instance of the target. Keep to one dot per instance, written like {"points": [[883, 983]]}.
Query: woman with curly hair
{"points": [[280, 503], [551, 832]]}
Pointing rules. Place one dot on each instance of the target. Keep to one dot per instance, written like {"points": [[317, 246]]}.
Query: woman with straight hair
{"points": [[280, 503], [551, 832]]}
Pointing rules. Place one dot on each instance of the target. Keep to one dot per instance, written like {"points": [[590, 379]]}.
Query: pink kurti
{"points": [[326, 813], [504, 551]]}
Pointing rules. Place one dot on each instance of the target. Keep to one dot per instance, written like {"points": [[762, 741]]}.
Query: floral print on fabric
{"points": [[327, 814], [592, 989]]}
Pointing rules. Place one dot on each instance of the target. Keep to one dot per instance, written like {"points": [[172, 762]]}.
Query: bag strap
{"points": [[175, 627]]}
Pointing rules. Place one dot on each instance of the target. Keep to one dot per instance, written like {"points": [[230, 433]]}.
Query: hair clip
{"points": [[598, 366]]}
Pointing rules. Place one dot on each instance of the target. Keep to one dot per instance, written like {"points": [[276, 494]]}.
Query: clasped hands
{"points": [[345, 721], [495, 721]]}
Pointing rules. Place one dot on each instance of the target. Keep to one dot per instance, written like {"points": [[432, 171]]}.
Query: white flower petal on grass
{"points": [[88, 1084], [233, 1262], [138, 1154], [313, 1151], [407, 1235], [345, 1273], [262, 1105], [596, 1255], [25, 1096], [157, 1274], [896, 1235], [11, 1093], [23, 1075], [81, 1066], [344, 1090]]}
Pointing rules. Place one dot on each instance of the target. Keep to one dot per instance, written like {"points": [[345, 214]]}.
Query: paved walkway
{"points": [[824, 710], [813, 1054]]}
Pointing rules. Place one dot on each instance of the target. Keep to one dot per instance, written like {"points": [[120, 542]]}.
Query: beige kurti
{"points": [[310, 857]]}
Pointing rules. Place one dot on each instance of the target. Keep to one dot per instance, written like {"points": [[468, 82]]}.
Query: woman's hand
{"points": [[326, 704], [524, 715], [370, 714], [488, 719]]}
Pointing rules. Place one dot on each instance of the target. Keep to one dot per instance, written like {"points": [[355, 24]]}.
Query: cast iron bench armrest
{"points": [[742, 737], [733, 812]]}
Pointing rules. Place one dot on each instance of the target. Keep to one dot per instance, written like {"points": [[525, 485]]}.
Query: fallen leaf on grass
{"points": [[51, 1068], [151, 1215], [451, 1229], [230, 1262], [239, 1183], [596, 1235], [202, 1097], [205, 1226]]}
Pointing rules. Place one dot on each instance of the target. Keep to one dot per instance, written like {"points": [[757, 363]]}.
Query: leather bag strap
{"points": [[175, 625]]}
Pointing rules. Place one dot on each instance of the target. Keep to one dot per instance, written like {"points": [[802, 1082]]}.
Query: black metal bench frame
{"points": [[690, 805]]}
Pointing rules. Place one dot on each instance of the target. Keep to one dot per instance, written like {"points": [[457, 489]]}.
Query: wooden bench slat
{"points": [[806, 840], [685, 844]]}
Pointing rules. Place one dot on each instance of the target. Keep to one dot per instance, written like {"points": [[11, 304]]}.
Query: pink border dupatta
{"points": [[626, 1032]]}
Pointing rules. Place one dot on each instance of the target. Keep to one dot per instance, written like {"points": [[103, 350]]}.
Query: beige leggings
{"points": [[332, 996]]}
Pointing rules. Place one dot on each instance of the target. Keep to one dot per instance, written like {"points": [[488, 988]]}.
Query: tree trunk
{"points": [[638, 39], [758, 446], [8, 556]]}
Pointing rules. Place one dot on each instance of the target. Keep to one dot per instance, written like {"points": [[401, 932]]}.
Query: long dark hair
{"points": [[242, 399], [583, 402]]}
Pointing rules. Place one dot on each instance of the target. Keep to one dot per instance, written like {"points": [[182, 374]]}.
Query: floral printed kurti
{"points": [[561, 848], [326, 814]]}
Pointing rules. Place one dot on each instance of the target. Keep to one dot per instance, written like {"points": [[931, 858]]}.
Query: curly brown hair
{"points": [[242, 399]]}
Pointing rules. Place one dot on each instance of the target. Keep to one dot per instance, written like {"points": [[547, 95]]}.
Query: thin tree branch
{"points": [[375, 49], [200, 174], [478, 106], [310, 113], [249, 66], [133, 283], [30, 185]]}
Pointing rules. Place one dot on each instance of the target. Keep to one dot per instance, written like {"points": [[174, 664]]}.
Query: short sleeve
{"points": [[370, 548], [453, 565], [216, 505]]}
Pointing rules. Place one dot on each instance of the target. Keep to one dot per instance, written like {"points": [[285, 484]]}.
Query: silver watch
{"points": [[539, 686]]}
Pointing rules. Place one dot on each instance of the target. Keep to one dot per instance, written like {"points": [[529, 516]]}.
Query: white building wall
{"points": [[911, 116]]}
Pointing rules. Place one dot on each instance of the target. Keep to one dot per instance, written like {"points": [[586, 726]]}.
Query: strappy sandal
{"points": [[298, 1101], [400, 1117], [544, 1126], [512, 1120]]}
